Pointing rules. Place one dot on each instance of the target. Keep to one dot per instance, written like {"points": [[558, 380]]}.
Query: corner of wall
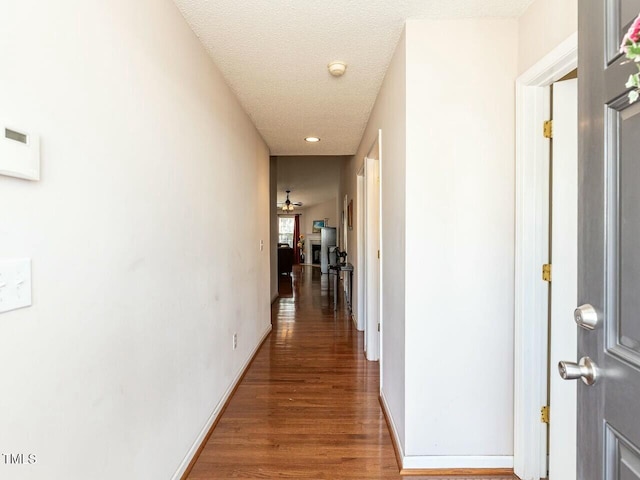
{"points": [[542, 26]]}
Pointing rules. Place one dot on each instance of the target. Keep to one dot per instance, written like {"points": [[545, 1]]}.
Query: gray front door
{"points": [[608, 245]]}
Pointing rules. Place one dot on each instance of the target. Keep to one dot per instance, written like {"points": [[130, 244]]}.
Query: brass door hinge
{"points": [[544, 414], [378, 327], [378, 253], [548, 129], [546, 272]]}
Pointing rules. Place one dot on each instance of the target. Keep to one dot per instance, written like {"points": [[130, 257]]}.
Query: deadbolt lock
{"points": [[586, 316]]}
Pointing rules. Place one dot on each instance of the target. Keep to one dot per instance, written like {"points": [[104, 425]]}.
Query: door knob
{"points": [[586, 316], [585, 369]]}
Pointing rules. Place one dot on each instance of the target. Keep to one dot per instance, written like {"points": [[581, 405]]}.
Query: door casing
{"points": [[361, 308], [372, 248], [532, 251]]}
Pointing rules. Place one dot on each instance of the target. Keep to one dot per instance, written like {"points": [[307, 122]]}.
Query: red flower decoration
{"points": [[632, 36]]}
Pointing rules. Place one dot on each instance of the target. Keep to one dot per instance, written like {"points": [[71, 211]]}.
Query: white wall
{"points": [[542, 27], [326, 210], [389, 115], [138, 252], [460, 241]]}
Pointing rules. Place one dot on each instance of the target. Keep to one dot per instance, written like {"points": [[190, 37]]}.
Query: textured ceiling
{"points": [[274, 55]]}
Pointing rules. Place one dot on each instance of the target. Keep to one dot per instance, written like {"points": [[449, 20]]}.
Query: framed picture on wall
{"points": [[317, 225], [350, 215]]}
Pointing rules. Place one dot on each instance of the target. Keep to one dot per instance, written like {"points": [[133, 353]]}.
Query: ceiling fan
{"points": [[287, 205]]}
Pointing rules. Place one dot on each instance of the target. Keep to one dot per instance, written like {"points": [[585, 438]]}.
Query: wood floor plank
{"points": [[308, 406]]}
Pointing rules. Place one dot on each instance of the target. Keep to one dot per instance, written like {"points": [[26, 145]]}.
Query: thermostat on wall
{"points": [[19, 153]]}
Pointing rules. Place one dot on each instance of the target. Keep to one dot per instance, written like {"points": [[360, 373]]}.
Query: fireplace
{"points": [[315, 253]]}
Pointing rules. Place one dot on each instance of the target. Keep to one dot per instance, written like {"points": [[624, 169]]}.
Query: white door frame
{"points": [[532, 251], [373, 248], [360, 265]]}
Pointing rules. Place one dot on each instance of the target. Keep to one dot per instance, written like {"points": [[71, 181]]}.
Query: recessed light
{"points": [[312, 139]]}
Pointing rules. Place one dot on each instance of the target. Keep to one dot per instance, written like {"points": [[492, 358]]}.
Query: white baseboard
{"points": [[216, 412], [426, 462], [392, 426], [452, 462]]}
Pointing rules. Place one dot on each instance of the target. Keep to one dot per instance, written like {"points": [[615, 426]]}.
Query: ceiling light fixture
{"points": [[288, 206], [337, 68], [312, 139]]}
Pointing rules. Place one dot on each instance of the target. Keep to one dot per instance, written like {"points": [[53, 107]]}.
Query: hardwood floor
{"points": [[308, 405]]}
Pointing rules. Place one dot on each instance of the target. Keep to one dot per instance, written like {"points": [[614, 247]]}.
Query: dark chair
{"points": [[285, 260]]}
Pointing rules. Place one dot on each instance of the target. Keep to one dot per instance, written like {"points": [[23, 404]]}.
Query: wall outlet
{"points": [[235, 341]]}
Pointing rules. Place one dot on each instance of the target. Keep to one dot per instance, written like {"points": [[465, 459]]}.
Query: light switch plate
{"points": [[19, 153], [15, 284]]}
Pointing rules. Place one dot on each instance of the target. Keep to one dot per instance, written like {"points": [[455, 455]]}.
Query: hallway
{"points": [[147, 153], [308, 405]]}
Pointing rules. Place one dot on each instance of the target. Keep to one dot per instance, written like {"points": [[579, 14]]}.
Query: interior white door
{"points": [[372, 247], [564, 282]]}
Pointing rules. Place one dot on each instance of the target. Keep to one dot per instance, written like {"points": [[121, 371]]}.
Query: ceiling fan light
{"points": [[287, 206]]}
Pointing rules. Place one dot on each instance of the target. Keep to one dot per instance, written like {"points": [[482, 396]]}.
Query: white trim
{"points": [[420, 462], [556, 64], [380, 261], [532, 241], [426, 462], [531, 293], [392, 426], [216, 411], [360, 313], [372, 267]]}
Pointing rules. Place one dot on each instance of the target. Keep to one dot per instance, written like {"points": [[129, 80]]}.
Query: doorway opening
{"points": [[369, 250], [546, 225]]}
